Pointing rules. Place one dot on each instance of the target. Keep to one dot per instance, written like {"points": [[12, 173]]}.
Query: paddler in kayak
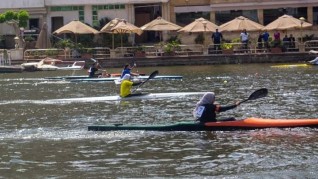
{"points": [[205, 110], [126, 86], [127, 70], [93, 69]]}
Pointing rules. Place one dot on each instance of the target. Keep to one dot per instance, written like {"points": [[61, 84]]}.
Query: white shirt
{"points": [[244, 37]]}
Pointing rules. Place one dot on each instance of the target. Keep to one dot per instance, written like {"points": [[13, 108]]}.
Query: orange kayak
{"points": [[245, 124], [265, 123]]}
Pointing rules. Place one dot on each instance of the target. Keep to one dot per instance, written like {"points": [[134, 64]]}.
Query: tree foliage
{"points": [[21, 17]]}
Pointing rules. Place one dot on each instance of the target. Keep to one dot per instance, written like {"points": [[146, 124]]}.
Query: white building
{"points": [[59, 12]]}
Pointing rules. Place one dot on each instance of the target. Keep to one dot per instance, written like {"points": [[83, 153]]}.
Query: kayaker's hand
{"points": [[237, 103]]}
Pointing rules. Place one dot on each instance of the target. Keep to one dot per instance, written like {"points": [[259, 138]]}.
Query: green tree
{"points": [[16, 19]]}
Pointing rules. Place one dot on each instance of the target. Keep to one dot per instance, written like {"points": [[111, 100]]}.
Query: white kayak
{"points": [[118, 80], [159, 77], [135, 97]]}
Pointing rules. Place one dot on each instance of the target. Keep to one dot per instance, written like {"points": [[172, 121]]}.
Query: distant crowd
{"points": [[262, 41]]}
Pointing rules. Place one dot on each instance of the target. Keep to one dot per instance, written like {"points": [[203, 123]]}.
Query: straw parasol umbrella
{"points": [[240, 23], [43, 40], [160, 24], [107, 28], [286, 22], [199, 25], [76, 27], [124, 27]]}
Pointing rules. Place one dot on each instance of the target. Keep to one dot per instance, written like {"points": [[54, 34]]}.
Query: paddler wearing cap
{"points": [[126, 86]]}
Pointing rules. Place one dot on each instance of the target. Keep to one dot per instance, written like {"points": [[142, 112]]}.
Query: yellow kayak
{"points": [[291, 65]]}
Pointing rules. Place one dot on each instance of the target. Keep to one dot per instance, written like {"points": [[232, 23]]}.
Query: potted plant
{"points": [[139, 52], [227, 48], [85, 53], [65, 44], [276, 46], [29, 42], [171, 47]]}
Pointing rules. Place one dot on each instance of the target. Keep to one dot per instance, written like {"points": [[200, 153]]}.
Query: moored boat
{"points": [[245, 124]]}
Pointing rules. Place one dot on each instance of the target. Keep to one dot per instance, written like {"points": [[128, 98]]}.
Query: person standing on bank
{"points": [[265, 39], [244, 38], [206, 110], [126, 86], [217, 37], [292, 41], [276, 39]]}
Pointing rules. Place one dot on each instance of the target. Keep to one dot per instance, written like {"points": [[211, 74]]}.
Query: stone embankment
{"points": [[209, 59]]}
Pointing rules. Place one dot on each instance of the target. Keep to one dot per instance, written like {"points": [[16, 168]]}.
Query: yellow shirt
{"points": [[125, 88]]}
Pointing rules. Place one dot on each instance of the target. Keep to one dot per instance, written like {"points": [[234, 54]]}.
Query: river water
{"points": [[42, 139]]}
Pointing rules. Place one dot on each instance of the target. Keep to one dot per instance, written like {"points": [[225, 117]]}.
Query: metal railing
{"points": [[39, 54], [157, 50]]}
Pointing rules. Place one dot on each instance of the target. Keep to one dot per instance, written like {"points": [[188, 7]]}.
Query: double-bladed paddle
{"points": [[260, 93], [151, 76]]}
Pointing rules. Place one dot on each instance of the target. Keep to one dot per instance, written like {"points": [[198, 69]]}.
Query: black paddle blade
{"points": [[258, 94], [153, 74]]}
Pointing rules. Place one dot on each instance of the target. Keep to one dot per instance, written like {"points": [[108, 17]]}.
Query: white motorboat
{"points": [[50, 64]]}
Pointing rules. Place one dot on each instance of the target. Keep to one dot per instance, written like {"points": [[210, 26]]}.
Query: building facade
{"points": [[139, 12]]}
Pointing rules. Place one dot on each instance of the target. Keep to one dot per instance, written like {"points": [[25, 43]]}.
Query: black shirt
{"points": [[209, 113]]}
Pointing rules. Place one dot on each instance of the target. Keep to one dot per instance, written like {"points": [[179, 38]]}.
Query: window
{"points": [[80, 9], [226, 16], [272, 14], [315, 15], [97, 8], [186, 18]]}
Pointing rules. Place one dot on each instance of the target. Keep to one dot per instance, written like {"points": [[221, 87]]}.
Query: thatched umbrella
{"points": [[199, 25], [124, 27], [287, 22], [160, 24], [239, 24], [107, 28], [76, 27]]}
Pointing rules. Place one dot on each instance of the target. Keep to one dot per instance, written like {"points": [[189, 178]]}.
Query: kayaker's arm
{"points": [[137, 83], [225, 108]]}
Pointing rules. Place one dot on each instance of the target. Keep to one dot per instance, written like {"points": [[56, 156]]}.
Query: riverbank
{"points": [[294, 57]]}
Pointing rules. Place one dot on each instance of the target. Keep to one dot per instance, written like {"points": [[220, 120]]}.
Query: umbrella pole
{"points": [[113, 41], [121, 42]]}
